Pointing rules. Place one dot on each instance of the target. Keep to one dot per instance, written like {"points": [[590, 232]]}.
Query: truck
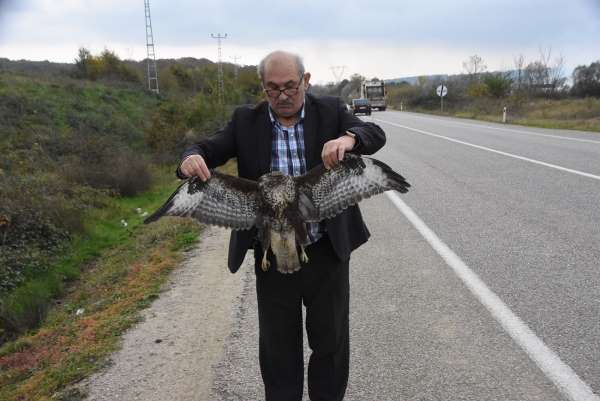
{"points": [[375, 92]]}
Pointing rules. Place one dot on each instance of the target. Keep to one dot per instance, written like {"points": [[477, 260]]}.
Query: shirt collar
{"points": [[275, 121]]}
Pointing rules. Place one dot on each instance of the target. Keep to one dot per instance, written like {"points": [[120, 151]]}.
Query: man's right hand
{"points": [[194, 165]]}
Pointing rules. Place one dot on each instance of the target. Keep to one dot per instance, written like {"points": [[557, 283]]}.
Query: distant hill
{"points": [[52, 68], [413, 80], [188, 62], [35, 67], [444, 77]]}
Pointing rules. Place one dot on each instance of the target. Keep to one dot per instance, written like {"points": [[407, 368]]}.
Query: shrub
{"points": [[102, 164], [106, 66], [37, 213], [165, 134], [477, 90], [497, 85]]}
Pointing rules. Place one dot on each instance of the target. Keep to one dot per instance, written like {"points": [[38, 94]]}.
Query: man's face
{"points": [[281, 74]]}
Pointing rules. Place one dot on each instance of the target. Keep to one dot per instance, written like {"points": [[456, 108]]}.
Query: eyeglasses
{"points": [[275, 93]]}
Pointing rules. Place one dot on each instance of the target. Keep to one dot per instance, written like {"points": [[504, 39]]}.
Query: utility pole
{"points": [[151, 59], [221, 84]]}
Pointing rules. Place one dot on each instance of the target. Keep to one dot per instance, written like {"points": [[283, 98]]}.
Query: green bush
{"points": [[38, 212], [107, 66], [498, 85]]}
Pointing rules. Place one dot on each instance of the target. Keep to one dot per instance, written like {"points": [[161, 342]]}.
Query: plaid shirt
{"points": [[287, 156]]}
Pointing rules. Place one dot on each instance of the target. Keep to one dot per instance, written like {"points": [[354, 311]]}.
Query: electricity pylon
{"points": [[338, 72], [221, 83], [151, 59]]}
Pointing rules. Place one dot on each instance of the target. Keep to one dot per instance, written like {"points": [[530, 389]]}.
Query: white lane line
{"points": [[569, 170], [567, 381], [567, 138]]}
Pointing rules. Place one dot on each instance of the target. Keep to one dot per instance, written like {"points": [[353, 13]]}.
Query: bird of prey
{"points": [[279, 205]]}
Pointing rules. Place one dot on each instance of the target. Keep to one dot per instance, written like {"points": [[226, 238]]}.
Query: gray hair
{"points": [[297, 59]]}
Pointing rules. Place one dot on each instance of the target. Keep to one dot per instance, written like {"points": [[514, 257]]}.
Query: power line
{"points": [[151, 58]]}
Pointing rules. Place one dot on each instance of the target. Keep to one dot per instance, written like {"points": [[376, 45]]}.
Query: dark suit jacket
{"points": [[248, 137]]}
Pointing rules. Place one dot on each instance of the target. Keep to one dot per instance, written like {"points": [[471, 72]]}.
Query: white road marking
{"points": [[569, 170], [567, 138], [567, 381]]}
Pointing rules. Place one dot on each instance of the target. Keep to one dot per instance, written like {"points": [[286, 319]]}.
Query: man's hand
{"points": [[194, 165], [334, 150]]}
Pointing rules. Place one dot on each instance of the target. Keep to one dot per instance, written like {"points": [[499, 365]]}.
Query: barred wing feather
{"points": [[223, 200], [323, 193]]}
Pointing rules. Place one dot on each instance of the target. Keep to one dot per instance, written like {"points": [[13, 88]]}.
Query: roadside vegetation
{"points": [[87, 153], [535, 93]]}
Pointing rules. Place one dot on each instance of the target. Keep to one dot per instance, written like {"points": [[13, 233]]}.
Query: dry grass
{"points": [[578, 114], [69, 346]]}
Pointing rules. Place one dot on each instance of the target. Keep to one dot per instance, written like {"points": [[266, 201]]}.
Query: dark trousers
{"points": [[323, 286]]}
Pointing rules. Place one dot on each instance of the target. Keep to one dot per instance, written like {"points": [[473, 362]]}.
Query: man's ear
{"points": [[306, 79]]}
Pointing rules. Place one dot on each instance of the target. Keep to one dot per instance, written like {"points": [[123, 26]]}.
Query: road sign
{"points": [[442, 90]]}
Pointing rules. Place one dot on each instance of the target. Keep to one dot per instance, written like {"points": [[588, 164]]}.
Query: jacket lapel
{"points": [[263, 143], [312, 150]]}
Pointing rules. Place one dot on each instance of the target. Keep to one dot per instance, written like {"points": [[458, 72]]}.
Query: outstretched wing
{"points": [[325, 193], [223, 200]]}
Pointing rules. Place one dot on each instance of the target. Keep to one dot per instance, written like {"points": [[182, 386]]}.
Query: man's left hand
{"points": [[334, 150]]}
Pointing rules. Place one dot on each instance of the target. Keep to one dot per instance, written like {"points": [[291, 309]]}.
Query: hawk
{"points": [[279, 205]]}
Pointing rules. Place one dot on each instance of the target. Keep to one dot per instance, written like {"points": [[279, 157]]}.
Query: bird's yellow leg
{"points": [[303, 255], [265, 263]]}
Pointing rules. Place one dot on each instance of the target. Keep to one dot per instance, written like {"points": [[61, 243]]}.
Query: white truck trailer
{"points": [[375, 92]]}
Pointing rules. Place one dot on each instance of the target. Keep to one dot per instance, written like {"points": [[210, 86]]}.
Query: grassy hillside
{"points": [[115, 271], [82, 162], [67, 148], [71, 148], [85, 154]]}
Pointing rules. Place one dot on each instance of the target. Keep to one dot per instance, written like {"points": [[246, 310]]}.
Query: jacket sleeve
{"points": [[215, 149], [369, 136]]}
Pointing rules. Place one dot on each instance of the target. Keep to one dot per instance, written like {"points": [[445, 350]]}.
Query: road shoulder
{"points": [[170, 354]]}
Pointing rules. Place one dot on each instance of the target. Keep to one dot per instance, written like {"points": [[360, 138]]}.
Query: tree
{"points": [[498, 85], [519, 67], [351, 90], [107, 65], [586, 80], [543, 77], [82, 60], [474, 66], [86, 65]]}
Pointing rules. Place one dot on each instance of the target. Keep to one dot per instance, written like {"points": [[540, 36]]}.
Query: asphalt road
{"points": [[501, 301]]}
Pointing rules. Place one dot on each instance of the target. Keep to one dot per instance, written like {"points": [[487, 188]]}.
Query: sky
{"points": [[377, 38]]}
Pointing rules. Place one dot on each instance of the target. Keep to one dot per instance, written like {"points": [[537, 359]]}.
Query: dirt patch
{"points": [[170, 354]]}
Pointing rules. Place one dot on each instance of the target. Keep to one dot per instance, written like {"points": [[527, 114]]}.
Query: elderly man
{"points": [[293, 131]]}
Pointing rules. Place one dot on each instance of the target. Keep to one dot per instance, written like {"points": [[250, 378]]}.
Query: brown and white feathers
{"points": [[280, 205]]}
